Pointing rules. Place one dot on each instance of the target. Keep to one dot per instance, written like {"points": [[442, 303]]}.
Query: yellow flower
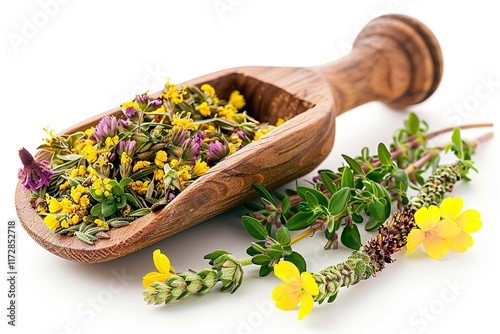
{"points": [[204, 109], [125, 159], [184, 122], [298, 288], [51, 134], [160, 158], [84, 201], [89, 131], [280, 121], [200, 167], [468, 222], [51, 222], [433, 232], [140, 165], [89, 152], [158, 174], [131, 104], [111, 141], [260, 133], [209, 90], [237, 100], [162, 264]]}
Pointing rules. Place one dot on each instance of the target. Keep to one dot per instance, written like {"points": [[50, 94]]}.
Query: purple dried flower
{"points": [[34, 174], [105, 128], [217, 151], [124, 123], [191, 150], [143, 99], [156, 103], [130, 112], [241, 135], [127, 146]]}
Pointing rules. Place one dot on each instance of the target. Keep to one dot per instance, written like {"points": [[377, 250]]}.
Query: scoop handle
{"points": [[395, 59]]}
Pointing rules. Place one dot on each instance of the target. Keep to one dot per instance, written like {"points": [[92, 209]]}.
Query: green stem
{"points": [[246, 261]]}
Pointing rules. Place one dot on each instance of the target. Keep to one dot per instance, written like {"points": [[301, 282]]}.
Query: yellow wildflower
{"points": [[184, 175], [64, 223], [176, 95], [279, 121], [131, 104], [140, 165], [112, 141], [125, 159], [51, 222], [260, 133], [432, 232], [89, 131], [158, 174], [204, 109], [468, 222], [101, 223], [89, 152], [237, 100], [174, 163], [184, 122], [298, 288], [208, 90], [64, 186], [165, 270], [77, 192], [160, 158], [84, 201], [139, 186], [51, 134], [200, 167]]}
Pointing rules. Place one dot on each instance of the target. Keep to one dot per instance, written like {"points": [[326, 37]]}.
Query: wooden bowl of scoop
{"points": [[395, 60]]}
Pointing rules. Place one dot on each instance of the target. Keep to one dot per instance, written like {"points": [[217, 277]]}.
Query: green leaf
{"points": [[285, 205], [254, 227], [255, 249], [265, 270], [377, 211], [338, 201], [108, 208], [283, 236], [214, 255], [456, 138], [275, 251], [299, 221], [261, 259], [327, 181], [121, 202], [131, 199], [413, 124], [297, 260], [124, 182], [311, 200], [401, 179], [263, 192], [350, 237], [96, 210], [347, 178], [355, 166], [384, 155], [319, 196], [372, 225], [117, 191]]}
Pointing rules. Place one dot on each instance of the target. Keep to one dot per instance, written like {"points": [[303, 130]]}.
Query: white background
{"points": [[80, 58]]}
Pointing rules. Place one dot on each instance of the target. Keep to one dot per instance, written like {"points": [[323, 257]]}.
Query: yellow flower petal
{"points": [[415, 238], [287, 272], [451, 207], [162, 263], [153, 277], [461, 242], [427, 218], [286, 296], [435, 246], [308, 284], [447, 228], [469, 221], [306, 305]]}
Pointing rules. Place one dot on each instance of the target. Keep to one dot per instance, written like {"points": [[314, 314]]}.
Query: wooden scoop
{"points": [[395, 60]]}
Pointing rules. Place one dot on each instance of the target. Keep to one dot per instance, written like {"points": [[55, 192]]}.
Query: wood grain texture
{"points": [[395, 60]]}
